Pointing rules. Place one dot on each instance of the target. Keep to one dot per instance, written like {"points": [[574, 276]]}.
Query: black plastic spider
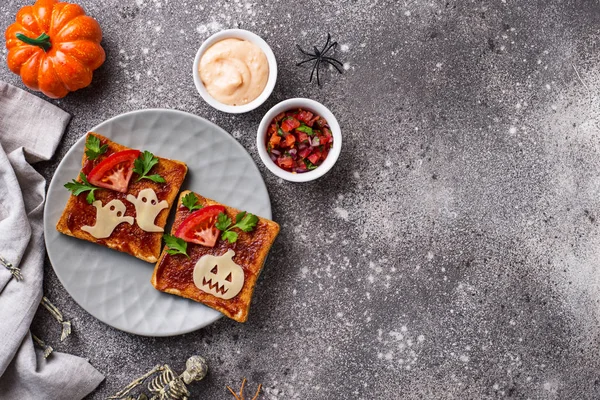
{"points": [[319, 57]]}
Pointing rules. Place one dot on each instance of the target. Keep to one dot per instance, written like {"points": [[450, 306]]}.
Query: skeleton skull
{"points": [[219, 276], [107, 218], [195, 369]]}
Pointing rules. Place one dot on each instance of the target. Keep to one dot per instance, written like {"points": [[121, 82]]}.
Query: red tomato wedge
{"points": [[114, 172], [200, 227]]}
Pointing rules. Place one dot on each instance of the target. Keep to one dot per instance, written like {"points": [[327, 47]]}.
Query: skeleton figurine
{"points": [[166, 385]]}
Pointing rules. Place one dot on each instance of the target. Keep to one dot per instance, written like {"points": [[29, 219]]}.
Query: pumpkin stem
{"points": [[42, 41]]}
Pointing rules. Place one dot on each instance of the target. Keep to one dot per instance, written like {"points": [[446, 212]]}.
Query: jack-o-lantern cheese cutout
{"points": [[219, 275]]}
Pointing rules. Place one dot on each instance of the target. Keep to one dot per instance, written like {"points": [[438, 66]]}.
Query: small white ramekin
{"points": [[244, 35], [317, 109]]}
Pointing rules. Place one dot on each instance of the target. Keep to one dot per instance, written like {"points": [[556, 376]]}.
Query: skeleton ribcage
{"points": [[168, 387]]}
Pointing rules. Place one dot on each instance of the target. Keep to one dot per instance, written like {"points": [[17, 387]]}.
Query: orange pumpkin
{"points": [[54, 47]]}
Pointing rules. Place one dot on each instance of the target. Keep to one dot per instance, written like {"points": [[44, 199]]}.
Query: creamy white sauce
{"points": [[234, 71]]}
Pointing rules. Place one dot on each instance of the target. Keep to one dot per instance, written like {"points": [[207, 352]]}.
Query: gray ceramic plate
{"points": [[115, 287]]}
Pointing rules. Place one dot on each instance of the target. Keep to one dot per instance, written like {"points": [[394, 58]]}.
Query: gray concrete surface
{"points": [[453, 251]]}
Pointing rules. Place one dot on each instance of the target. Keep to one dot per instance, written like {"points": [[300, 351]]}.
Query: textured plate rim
{"points": [[51, 225]]}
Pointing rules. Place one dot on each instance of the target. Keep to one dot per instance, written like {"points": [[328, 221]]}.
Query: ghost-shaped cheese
{"points": [[147, 208], [219, 276], [107, 218]]}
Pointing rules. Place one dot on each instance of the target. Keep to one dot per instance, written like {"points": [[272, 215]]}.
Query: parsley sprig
{"points": [[175, 245], [244, 221], [143, 164], [191, 202], [93, 149], [81, 187]]}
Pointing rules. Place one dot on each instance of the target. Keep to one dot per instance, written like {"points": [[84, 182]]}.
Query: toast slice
{"points": [[126, 237], [175, 273]]}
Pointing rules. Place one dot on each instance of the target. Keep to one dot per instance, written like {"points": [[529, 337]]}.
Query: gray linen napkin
{"points": [[30, 129]]}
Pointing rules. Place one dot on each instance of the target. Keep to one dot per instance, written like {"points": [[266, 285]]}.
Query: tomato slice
{"points": [[279, 117], [313, 158], [302, 137], [305, 153], [200, 227], [273, 129], [321, 122], [275, 140], [305, 116], [289, 141], [289, 124], [285, 162], [114, 172]]}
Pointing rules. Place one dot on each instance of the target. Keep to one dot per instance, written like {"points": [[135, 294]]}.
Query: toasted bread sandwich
{"points": [[215, 270], [121, 198]]}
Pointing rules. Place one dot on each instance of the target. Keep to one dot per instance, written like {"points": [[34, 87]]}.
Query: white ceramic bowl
{"points": [[317, 109], [244, 35]]}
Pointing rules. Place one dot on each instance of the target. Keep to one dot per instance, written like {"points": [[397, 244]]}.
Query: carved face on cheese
{"points": [[219, 276]]}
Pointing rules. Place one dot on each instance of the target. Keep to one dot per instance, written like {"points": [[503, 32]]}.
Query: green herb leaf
{"points": [[310, 166], [76, 188], [239, 217], [143, 164], [93, 148], [243, 221], [175, 245], [280, 132], [306, 129], [223, 222], [247, 222], [90, 198], [230, 236], [155, 178], [191, 202]]}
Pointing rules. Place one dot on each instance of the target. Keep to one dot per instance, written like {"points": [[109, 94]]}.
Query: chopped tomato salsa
{"points": [[298, 140]]}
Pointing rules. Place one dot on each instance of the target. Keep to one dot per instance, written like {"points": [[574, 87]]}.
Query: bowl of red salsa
{"points": [[299, 140]]}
